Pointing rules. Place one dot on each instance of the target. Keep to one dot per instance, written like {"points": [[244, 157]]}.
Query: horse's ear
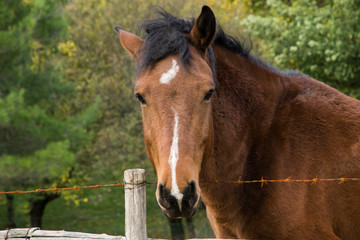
{"points": [[130, 42], [204, 29]]}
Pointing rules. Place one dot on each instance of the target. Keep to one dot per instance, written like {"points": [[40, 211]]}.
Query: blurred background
{"points": [[67, 111]]}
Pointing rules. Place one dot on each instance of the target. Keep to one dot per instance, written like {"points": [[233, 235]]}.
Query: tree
{"points": [[39, 142], [319, 38]]}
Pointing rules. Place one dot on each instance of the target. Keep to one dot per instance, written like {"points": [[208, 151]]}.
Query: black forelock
{"points": [[164, 37]]}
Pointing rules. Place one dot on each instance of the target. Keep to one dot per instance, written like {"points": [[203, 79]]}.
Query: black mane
{"points": [[165, 36]]}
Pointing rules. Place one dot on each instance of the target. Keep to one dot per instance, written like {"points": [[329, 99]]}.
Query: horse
{"points": [[213, 112]]}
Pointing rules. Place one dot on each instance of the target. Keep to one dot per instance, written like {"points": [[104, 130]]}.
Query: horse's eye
{"points": [[141, 99], [208, 95]]}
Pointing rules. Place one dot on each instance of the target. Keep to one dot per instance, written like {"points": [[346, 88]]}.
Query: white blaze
{"points": [[173, 158], [170, 74]]}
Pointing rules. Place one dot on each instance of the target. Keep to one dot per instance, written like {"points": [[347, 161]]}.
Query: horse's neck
{"points": [[247, 95]]}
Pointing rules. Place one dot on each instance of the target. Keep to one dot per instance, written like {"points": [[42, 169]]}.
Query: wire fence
{"points": [[158, 225], [262, 181]]}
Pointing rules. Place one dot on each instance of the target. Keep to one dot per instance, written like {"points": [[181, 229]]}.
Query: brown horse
{"points": [[212, 111]]}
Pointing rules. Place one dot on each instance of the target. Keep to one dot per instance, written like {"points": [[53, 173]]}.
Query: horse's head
{"points": [[174, 85]]}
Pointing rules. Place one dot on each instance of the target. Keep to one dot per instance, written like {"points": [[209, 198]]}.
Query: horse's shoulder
{"points": [[308, 94]]}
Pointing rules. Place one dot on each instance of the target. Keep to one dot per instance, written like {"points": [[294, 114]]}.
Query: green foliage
{"points": [[40, 143], [98, 66], [41, 169], [26, 126], [29, 32], [321, 39], [32, 128]]}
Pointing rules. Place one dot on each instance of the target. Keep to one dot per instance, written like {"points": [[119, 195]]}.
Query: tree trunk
{"points": [[177, 229], [37, 208], [10, 211]]}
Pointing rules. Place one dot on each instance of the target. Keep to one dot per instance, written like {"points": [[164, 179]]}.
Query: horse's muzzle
{"points": [[174, 208]]}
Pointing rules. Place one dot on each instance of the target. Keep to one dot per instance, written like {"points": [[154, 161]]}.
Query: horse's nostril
{"points": [[190, 198], [164, 194], [190, 189], [161, 190]]}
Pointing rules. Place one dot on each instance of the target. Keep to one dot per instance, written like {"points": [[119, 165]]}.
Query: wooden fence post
{"points": [[135, 204]]}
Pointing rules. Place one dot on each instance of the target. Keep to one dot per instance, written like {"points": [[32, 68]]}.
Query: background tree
{"points": [[319, 38], [38, 141]]}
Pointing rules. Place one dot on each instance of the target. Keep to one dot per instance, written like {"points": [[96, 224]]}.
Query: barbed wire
{"points": [[57, 189], [287, 180], [262, 181]]}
